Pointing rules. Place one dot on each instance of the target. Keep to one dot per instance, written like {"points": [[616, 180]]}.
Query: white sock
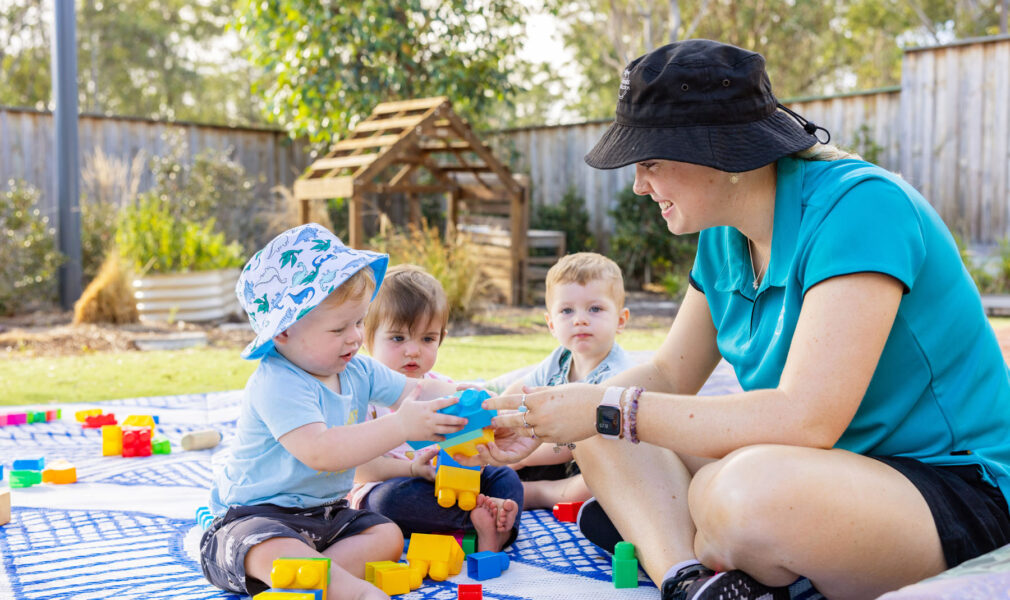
{"points": [[672, 572]]}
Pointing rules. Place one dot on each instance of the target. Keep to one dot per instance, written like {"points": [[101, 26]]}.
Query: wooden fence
{"points": [[26, 148]]}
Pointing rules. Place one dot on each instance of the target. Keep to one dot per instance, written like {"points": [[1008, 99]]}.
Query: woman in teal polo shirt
{"points": [[870, 448]]}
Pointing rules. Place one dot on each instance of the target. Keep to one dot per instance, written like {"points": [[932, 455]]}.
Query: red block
{"points": [[97, 421], [137, 442], [470, 591], [567, 511]]}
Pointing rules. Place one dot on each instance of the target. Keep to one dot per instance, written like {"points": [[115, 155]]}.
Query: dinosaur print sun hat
{"points": [[292, 274]]}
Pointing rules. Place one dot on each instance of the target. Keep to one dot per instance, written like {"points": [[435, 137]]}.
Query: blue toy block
{"points": [[1, 471], [29, 464], [469, 408], [444, 460], [486, 565]]}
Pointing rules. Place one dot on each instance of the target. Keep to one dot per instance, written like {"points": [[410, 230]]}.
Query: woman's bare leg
{"points": [[853, 525]]}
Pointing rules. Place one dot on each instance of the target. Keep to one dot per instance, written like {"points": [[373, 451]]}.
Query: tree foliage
{"points": [[331, 62]]}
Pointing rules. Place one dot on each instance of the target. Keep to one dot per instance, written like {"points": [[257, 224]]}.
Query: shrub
{"points": [[28, 248], [109, 297], [107, 183], [450, 263], [569, 215], [152, 238], [641, 242]]}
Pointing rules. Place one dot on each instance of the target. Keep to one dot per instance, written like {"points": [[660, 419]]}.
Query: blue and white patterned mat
{"points": [[126, 530]]}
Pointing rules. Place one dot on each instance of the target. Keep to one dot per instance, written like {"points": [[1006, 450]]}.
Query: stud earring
{"points": [[734, 179]]}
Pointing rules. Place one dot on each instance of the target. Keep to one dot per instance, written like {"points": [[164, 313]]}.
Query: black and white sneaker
{"points": [[676, 587], [733, 585]]}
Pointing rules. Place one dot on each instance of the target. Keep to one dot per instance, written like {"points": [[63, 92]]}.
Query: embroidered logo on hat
{"points": [[292, 274], [625, 84]]}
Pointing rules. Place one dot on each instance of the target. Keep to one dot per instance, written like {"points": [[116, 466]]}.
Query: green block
{"points": [[625, 566], [160, 445], [469, 542], [35, 416], [23, 479]]}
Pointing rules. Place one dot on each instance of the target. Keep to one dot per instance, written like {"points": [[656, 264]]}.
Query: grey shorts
{"points": [[228, 539]]}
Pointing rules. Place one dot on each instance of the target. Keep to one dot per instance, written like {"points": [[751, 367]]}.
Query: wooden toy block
{"points": [[567, 511], [469, 591], [96, 421], [624, 566], [112, 440], [29, 464], [486, 565], [437, 556], [23, 479], [59, 472], [140, 421], [393, 579], [201, 440], [457, 485], [5, 507], [82, 414], [136, 441], [279, 594], [301, 574]]}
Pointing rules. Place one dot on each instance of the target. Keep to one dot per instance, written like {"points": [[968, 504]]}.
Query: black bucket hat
{"points": [[700, 102]]}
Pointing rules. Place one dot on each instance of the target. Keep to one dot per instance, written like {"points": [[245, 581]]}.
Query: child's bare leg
{"points": [[377, 543], [493, 519], [259, 561], [547, 493]]}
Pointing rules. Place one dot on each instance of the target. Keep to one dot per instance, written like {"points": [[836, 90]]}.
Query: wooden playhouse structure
{"points": [[422, 147]]}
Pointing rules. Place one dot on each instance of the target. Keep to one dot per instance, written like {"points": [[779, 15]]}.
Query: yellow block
{"points": [[372, 567], [470, 448], [140, 421], [453, 484], [437, 556], [112, 440], [82, 414], [393, 579], [301, 574], [284, 595]]}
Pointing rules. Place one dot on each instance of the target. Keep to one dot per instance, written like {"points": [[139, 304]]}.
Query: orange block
{"points": [[59, 471]]}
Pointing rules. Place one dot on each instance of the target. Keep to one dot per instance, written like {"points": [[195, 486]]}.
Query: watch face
{"points": [[608, 420]]}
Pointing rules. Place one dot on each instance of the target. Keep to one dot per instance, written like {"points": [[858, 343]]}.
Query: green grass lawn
{"points": [[109, 376]]}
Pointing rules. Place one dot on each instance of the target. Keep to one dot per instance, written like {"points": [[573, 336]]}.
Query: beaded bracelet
{"points": [[625, 423], [636, 392]]}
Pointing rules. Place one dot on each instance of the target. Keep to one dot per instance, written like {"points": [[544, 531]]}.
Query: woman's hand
{"points": [[420, 420], [421, 465], [508, 447], [560, 414]]}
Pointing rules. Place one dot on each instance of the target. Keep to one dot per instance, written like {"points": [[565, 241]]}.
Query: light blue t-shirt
{"points": [[554, 369], [280, 397], [941, 390]]}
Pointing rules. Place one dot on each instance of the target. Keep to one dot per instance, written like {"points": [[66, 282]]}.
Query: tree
{"points": [[330, 62]]}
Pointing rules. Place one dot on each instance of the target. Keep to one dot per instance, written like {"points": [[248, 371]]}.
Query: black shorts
{"points": [[228, 539], [970, 515], [549, 472]]}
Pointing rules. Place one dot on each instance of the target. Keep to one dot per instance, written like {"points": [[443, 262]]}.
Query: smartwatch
{"points": [[608, 414]]}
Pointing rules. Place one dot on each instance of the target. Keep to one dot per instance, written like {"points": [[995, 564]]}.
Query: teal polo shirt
{"points": [[941, 391]]}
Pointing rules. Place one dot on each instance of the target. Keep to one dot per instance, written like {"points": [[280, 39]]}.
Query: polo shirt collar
{"points": [[737, 274]]}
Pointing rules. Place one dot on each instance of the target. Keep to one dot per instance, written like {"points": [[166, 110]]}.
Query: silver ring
{"points": [[525, 424], [522, 405], [533, 432]]}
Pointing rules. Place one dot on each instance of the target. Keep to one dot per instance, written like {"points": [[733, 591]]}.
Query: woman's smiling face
{"points": [[687, 194]]}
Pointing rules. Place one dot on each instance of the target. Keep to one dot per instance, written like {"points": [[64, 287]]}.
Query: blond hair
{"points": [[408, 295], [825, 152], [583, 267], [359, 285]]}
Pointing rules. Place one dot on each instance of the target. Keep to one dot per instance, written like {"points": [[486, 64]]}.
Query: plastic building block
{"points": [[280, 594], [469, 591], [139, 421], [486, 565], [469, 447], [136, 442], [161, 445], [96, 421], [469, 542], [301, 574], [204, 517], [82, 414], [624, 566], [1, 471], [393, 579], [567, 512], [36, 416], [53, 415], [372, 567], [437, 556], [468, 407], [23, 479], [29, 464], [59, 471], [112, 440], [17, 418], [5, 507], [457, 485]]}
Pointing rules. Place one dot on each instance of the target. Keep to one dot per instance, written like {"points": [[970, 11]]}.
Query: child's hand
{"points": [[420, 420], [421, 465]]}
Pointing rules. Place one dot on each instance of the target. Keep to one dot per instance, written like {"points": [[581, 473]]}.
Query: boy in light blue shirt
{"points": [[585, 312], [301, 431]]}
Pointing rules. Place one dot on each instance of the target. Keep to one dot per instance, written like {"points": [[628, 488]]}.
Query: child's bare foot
{"points": [[493, 519]]}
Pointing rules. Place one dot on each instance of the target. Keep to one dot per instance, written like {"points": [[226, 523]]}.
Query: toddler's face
{"points": [[584, 318], [411, 353], [325, 340]]}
